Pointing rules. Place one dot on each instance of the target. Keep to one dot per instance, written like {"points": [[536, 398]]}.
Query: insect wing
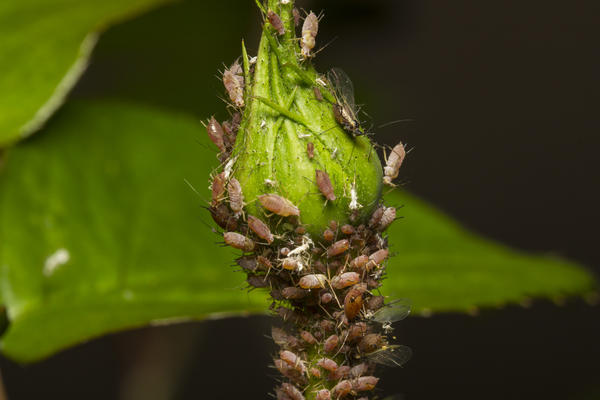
{"points": [[391, 356], [395, 311], [342, 87]]}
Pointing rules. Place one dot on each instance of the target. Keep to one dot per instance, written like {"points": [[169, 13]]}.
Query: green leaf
{"points": [[44, 49], [442, 267], [105, 182]]}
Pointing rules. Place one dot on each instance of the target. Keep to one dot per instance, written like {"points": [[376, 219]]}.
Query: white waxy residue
{"points": [[55, 260], [229, 167], [354, 204]]}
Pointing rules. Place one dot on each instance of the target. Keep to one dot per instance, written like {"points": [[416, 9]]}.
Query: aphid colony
{"points": [[336, 324]]}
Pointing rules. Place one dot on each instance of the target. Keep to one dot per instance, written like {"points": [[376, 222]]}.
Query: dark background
{"points": [[504, 97]]}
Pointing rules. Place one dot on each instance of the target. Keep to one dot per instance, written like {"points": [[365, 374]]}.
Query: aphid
{"points": [[393, 312], [308, 337], [391, 356], [341, 373], [333, 225], [310, 150], [375, 303], [280, 337], [292, 360], [260, 228], [288, 372], [342, 388], [347, 229], [328, 235], [324, 184], [278, 205], [276, 22], [327, 325], [296, 15], [338, 248], [364, 383], [247, 263], [318, 94], [376, 217], [370, 342], [238, 241], [289, 315], [389, 215], [292, 392], [264, 262], [344, 280], [236, 197], [353, 301], [357, 330], [215, 133], [300, 230], [327, 364], [378, 257], [290, 263], [218, 188], [359, 370], [313, 281], [310, 28], [284, 251], [326, 298], [392, 166], [315, 372], [233, 80], [359, 262], [323, 394], [293, 293], [331, 343], [344, 110], [257, 281], [223, 217]]}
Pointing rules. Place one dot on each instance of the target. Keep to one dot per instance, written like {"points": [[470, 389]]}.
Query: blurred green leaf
{"points": [[104, 184], [44, 49]]}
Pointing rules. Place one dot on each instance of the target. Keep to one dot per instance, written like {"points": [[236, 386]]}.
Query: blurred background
{"points": [[504, 100]]}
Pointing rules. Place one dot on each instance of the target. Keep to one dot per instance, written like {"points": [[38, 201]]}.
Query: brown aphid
{"points": [[375, 303], [236, 197], [215, 133], [315, 372], [293, 293], [324, 184], [310, 150], [233, 80], [341, 373], [364, 383], [353, 301], [319, 266], [370, 343], [260, 228], [308, 337], [287, 371], [238, 241], [300, 230], [223, 217], [341, 317], [342, 388], [333, 225], [257, 281], [281, 338], [327, 325], [289, 315], [278, 205], [331, 343], [310, 28], [327, 364], [296, 15], [292, 360], [290, 263], [328, 235], [344, 280], [323, 394], [326, 298], [347, 229], [218, 188], [338, 248], [292, 392], [359, 262], [376, 217], [359, 370], [276, 22], [248, 264], [373, 283], [377, 258], [388, 216], [392, 166], [313, 281], [356, 331], [264, 263], [318, 94]]}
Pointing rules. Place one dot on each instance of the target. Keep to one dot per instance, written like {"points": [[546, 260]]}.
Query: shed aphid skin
{"points": [[310, 28], [320, 256], [393, 164], [344, 110]]}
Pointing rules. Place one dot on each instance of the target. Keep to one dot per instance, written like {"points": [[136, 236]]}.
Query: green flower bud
{"points": [[289, 132]]}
